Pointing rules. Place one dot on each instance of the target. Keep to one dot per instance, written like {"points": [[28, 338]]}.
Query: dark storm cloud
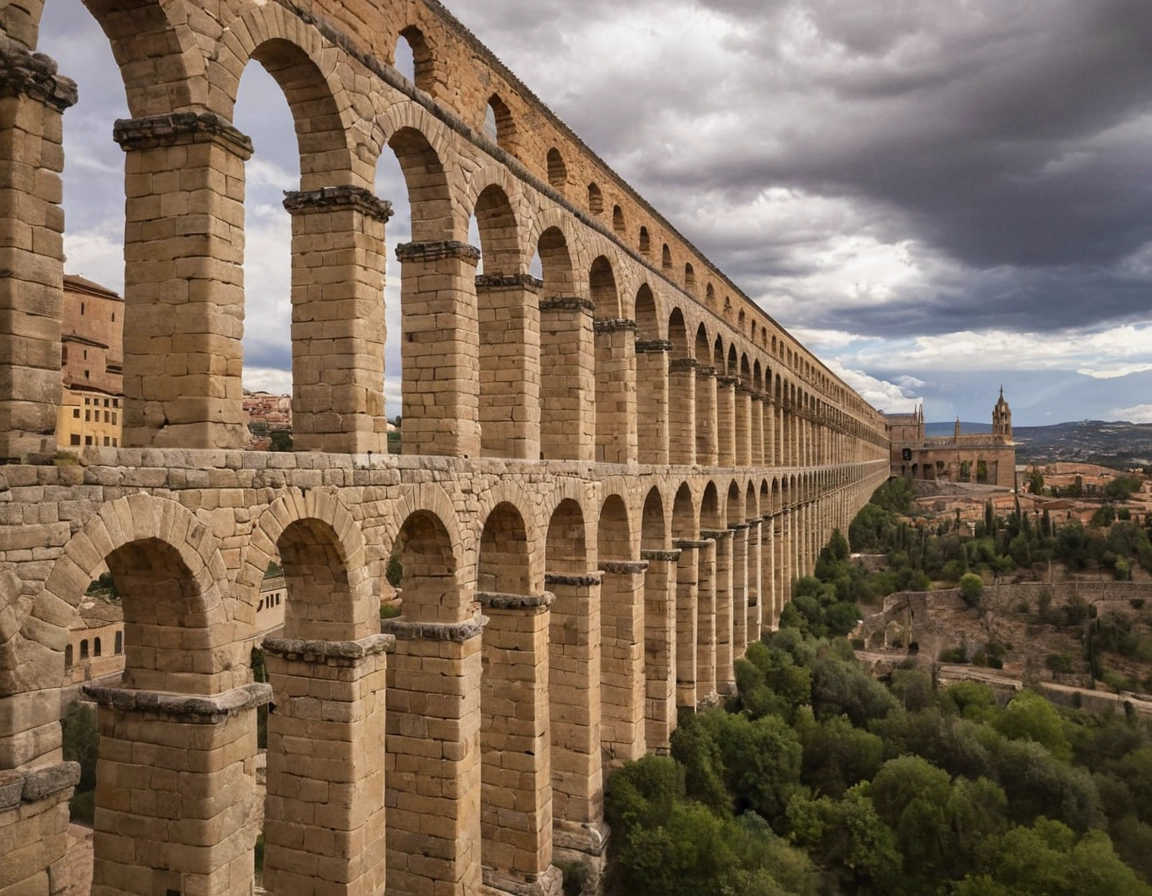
{"points": [[1009, 138]]}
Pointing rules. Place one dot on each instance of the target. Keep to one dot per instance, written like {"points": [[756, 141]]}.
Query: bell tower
{"points": [[1002, 419]]}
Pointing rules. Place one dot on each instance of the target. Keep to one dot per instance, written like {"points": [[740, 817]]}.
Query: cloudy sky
{"points": [[937, 196]]}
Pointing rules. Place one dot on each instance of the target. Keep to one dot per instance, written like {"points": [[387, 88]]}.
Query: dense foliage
{"points": [[818, 779]]}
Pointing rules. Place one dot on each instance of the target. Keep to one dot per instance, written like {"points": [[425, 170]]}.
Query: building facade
{"points": [[91, 367], [982, 458]]}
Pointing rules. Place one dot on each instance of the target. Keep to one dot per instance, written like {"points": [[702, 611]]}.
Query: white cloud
{"points": [[1141, 413]]}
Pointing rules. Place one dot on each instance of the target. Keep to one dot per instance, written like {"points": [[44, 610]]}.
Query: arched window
{"points": [[413, 58], [96, 647], [645, 241], [595, 200], [68, 657], [618, 219], [498, 124], [84, 649], [119, 645], [689, 278], [557, 170], [666, 258]]}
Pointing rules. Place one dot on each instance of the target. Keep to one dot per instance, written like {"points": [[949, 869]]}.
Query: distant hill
{"points": [[1112, 444]]}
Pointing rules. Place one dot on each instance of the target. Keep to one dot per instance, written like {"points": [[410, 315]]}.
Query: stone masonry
{"points": [[611, 474]]}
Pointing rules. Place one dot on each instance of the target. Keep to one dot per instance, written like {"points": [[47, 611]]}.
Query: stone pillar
{"points": [[176, 792], [616, 436], [183, 281], [759, 453], [432, 764], [780, 566], [439, 349], [622, 683], [682, 411], [33, 98], [758, 585], [653, 400], [706, 422], [515, 746], [687, 596], [574, 709], [508, 311], [706, 620], [660, 648], [324, 820], [34, 829], [567, 380], [740, 588], [338, 328], [725, 677], [743, 425], [726, 420]]}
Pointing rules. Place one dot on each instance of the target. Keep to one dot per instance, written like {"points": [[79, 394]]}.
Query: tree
{"points": [[1035, 482], [971, 588]]}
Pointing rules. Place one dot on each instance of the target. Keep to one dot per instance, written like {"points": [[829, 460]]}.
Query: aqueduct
{"points": [[610, 474]]}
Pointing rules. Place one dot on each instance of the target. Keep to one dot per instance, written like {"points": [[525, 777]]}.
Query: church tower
{"points": [[1002, 419]]}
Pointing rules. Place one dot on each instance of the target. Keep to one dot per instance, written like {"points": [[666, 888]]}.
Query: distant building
{"points": [[91, 366], [986, 458], [265, 413]]}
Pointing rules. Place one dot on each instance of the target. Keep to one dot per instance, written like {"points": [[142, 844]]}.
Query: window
{"points": [[81, 308], [74, 439], [87, 401], [113, 317], [557, 170], [105, 402], [115, 402], [114, 444], [87, 440], [63, 354], [119, 642], [87, 416], [618, 219], [107, 416], [114, 417], [85, 354], [107, 440], [645, 241], [84, 649], [75, 413], [68, 657], [595, 199], [96, 647], [87, 374]]}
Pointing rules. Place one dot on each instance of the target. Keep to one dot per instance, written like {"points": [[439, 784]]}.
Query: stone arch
{"points": [[499, 225], [602, 283], [423, 153], [689, 278], [684, 522], [137, 30], [566, 548], [666, 258], [557, 170], [645, 242], [647, 314], [323, 535], [653, 527], [734, 504], [614, 531], [298, 58], [618, 224], [595, 200], [503, 564], [678, 335], [703, 347], [424, 58], [710, 514], [512, 495], [504, 124]]}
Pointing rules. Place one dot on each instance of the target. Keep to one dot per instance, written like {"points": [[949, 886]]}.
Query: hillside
{"points": [[1113, 444]]}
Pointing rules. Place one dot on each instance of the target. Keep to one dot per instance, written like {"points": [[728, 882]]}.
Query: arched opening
{"points": [[509, 335], [595, 200], [709, 294], [435, 398], [706, 420], [689, 279], [712, 533], [621, 636], [678, 335], [659, 624], [645, 242], [666, 258], [414, 58], [577, 782], [652, 385], [685, 532], [499, 124], [615, 369], [516, 794], [618, 224], [568, 379], [426, 713], [557, 170]]}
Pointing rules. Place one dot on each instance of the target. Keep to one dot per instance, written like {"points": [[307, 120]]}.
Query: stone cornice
{"points": [[660, 556], [458, 632], [714, 534], [567, 303], [624, 567], [614, 325], [327, 198], [437, 250], [653, 346], [34, 75], [725, 380], [680, 365], [691, 544], [493, 601], [330, 652], [503, 282], [195, 709], [573, 580], [738, 527], [703, 370], [177, 128], [32, 785]]}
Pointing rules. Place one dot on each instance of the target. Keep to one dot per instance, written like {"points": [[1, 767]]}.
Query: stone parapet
{"points": [[32, 785], [34, 75], [302, 202], [158, 131]]}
